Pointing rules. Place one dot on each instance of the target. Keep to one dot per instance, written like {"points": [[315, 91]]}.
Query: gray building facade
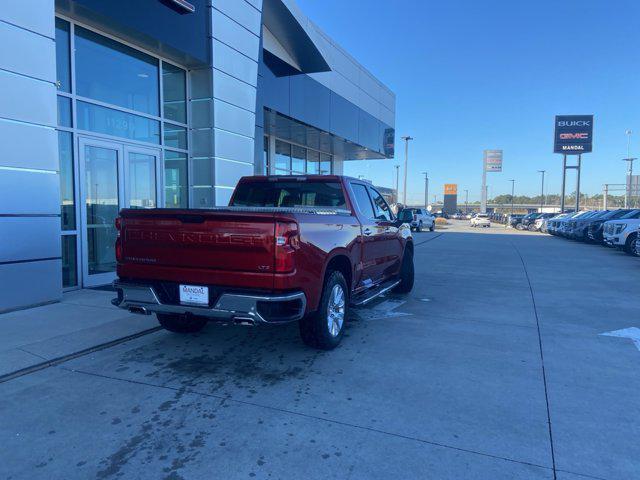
{"points": [[159, 103]]}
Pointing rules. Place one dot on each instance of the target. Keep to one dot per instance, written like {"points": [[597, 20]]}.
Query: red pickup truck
{"points": [[287, 248]]}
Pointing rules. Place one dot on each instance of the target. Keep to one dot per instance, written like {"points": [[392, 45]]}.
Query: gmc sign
{"points": [[573, 134]]}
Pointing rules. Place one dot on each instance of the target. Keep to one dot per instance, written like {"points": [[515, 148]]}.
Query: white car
{"points": [[418, 219], [480, 220], [622, 233]]}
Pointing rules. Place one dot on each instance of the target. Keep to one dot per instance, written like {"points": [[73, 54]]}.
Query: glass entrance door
{"points": [[112, 176]]}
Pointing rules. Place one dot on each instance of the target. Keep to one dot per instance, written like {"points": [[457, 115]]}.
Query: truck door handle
{"points": [[367, 231]]}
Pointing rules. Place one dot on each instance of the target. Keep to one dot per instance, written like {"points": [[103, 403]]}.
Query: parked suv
{"points": [[418, 219], [623, 233], [480, 220], [595, 228], [514, 220]]}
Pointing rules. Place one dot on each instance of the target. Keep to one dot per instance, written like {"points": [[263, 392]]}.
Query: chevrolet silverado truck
{"points": [[286, 249]]}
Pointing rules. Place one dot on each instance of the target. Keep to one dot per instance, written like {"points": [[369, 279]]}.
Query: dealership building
{"points": [[159, 103]]}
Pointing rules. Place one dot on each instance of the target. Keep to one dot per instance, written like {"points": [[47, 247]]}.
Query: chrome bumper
{"points": [[229, 307]]}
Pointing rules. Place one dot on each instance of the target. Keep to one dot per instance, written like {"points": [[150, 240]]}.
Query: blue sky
{"points": [[473, 75]]}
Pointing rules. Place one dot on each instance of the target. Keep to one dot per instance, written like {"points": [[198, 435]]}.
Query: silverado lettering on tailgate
{"points": [[196, 238]]}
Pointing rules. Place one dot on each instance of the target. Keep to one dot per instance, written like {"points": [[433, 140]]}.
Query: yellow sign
{"points": [[450, 189]]}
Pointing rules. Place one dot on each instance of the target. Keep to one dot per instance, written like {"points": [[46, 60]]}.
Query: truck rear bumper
{"points": [[229, 307]]}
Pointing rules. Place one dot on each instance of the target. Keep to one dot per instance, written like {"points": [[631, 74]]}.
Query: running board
{"points": [[373, 293]]}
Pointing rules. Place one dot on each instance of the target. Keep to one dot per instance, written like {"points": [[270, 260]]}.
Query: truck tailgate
{"points": [[212, 240]]}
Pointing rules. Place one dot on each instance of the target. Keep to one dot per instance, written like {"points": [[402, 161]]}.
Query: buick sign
{"points": [[573, 134]]}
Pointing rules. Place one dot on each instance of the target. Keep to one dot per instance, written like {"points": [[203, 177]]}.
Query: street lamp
{"points": [[406, 139], [542, 190], [397, 182], [627, 196], [426, 189], [466, 201], [513, 186]]}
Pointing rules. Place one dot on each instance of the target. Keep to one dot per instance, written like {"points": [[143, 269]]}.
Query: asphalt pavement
{"points": [[494, 367]]}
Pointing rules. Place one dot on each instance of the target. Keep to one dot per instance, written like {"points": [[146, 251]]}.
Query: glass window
{"points": [[283, 158], [175, 136], [69, 265], [298, 157], [67, 197], [265, 157], [383, 212], [174, 93], [325, 164], [141, 180], [289, 194], [175, 179], [64, 112], [63, 61], [313, 162], [362, 200], [115, 73], [114, 122]]}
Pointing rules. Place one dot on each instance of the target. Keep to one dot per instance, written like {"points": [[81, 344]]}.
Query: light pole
{"points": [[513, 187], [627, 196], [426, 189], [406, 139], [397, 167], [542, 190], [466, 201]]}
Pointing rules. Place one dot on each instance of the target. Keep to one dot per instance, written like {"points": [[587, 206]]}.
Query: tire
{"points": [[315, 329], [519, 227], [407, 273], [432, 227], [630, 247], [419, 227], [180, 324]]}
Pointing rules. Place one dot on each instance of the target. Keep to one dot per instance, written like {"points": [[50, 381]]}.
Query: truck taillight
{"points": [[118, 224], [287, 240]]}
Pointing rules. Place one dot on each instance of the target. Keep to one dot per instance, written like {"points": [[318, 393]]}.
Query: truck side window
{"points": [[383, 212], [363, 201]]}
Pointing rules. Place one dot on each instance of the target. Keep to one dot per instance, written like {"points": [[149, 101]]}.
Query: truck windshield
{"points": [[289, 194]]}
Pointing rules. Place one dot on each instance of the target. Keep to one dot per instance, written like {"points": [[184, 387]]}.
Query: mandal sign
{"points": [[493, 160], [573, 134]]}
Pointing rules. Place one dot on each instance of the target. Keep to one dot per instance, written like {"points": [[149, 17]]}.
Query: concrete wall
{"points": [[30, 265], [223, 102]]}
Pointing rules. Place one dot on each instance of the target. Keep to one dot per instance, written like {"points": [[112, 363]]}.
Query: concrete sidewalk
{"points": [[82, 320]]}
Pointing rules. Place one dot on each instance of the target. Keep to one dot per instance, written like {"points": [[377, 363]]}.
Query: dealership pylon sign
{"points": [[491, 162], [573, 135]]}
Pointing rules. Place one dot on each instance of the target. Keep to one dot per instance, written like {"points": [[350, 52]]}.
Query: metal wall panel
{"points": [[232, 146], [25, 238], [228, 173], [34, 15], [234, 34], [233, 119], [232, 90], [310, 102], [28, 146], [242, 12], [234, 63], [27, 100], [344, 117], [29, 54], [32, 283], [29, 193]]}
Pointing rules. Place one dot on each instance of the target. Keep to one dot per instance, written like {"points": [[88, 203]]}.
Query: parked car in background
{"points": [[578, 227], [596, 226], [287, 249], [514, 220], [622, 233], [565, 224], [526, 221], [480, 220], [553, 224], [537, 224], [418, 219]]}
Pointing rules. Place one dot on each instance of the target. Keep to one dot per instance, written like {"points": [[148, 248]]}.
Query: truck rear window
{"points": [[289, 194]]}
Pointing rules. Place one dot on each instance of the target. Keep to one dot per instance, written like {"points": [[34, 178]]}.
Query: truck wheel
{"points": [[419, 227], [630, 246], [406, 273], [432, 227], [180, 324], [323, 328]]}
